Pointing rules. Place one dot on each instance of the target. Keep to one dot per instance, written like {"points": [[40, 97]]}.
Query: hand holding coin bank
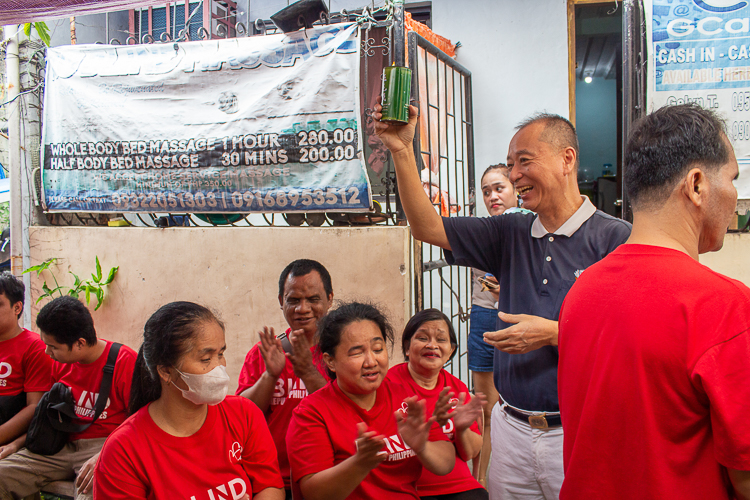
{"points": [[396, 94]]}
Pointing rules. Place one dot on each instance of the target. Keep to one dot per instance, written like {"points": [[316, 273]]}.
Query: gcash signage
{"points": [[699, 51], [257, 124]]}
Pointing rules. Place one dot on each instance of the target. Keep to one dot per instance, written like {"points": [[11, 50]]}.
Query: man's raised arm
{"points": [[426, 223]]}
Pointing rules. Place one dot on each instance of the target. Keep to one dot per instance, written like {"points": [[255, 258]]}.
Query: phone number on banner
{"points": [[301, 199]]}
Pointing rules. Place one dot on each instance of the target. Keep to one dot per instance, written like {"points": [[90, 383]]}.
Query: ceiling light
{"points": [[588, 79]]}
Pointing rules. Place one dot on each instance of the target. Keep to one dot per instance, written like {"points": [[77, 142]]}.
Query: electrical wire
{"points": [[22, 93]]}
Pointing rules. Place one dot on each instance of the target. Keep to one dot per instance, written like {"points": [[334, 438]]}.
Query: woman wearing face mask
{"points": [[499, 197], [428, 342], [187, 438], [361, 437]]}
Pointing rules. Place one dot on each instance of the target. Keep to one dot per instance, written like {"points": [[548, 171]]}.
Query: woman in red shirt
{"points": [[186, 438], [428, 342], [361, 437]]}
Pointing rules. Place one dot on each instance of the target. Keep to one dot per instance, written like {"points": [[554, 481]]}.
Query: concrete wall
{"points": [[234, 271], [732, 260]]}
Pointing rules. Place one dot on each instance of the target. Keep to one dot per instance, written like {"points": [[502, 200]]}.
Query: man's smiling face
{"points": [[536, 169], [305, 301]]}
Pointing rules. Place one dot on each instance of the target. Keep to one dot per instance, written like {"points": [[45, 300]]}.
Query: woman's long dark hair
{"points": [[420, 319], [169, 333], [332, 325]]}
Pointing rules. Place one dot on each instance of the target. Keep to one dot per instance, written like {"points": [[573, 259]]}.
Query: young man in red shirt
{"points": [[654, 347], [67, 329], [277, 381], [24, 368]]}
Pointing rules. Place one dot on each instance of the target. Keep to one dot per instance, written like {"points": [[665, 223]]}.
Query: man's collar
{"points": [[584, 213]]}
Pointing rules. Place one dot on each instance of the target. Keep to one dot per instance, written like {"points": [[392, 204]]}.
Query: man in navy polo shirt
{"points": [[536, 258]]}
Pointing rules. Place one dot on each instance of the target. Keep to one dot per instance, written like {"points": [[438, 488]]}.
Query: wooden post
{"points": [[572, 61], [131, 24]]}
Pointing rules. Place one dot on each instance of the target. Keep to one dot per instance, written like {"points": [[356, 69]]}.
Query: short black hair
{"points": [[13, 289], [420, 319], [558, 131], [666, 144], [303, 267], [66, 319], [331, 326]]}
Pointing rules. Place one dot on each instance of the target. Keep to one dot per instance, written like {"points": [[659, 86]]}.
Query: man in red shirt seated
{"points": [[655, 347], [276, 380], [24, 368], [67, 329]]}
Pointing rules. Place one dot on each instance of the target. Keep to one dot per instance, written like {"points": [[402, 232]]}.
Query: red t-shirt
{"points": [[24, 367], [232, 454], [323, 431], [289, 391], [84, 381], [460, 479], [653, 378]]}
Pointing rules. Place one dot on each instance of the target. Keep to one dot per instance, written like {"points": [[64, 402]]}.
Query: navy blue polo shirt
{"points": [[535, 269]]}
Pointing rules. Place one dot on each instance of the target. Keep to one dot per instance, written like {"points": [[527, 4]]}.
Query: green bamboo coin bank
{"points": [[396, 94]]}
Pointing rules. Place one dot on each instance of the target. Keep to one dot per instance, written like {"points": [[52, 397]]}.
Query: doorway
{"points": [[597, 100]]}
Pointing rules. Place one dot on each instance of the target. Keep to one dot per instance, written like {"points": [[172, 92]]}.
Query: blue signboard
{"points": [[699, 51]]}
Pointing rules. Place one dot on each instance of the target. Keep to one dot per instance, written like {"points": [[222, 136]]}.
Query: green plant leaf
{"points": [[94, 286], [27, 29], [32, 269], [111, 275], [78, 280], [41, 267], [99, 298], [43, 31]]}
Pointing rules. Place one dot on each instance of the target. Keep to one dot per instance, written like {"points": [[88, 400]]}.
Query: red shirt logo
{"points": [[5, 371], [235, 453]]}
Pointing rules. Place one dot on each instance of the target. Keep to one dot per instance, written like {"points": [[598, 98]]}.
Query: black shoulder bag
{"points": [[54, 417]]}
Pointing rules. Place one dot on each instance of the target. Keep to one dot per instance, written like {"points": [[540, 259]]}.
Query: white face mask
{"points": [[207, 388]]}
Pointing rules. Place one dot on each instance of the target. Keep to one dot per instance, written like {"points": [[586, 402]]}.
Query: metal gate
{"points": [[444, 147]]}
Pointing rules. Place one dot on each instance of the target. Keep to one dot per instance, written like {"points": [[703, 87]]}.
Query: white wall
{"points": [[517, 52]]}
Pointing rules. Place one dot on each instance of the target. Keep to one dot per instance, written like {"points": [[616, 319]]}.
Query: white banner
{"points": [[266, 123], [699, 51]]}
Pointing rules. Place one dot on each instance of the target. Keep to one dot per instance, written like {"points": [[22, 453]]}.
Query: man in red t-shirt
{"points": [[24, 368], [655, 347], [277, 381], [67, 329]]}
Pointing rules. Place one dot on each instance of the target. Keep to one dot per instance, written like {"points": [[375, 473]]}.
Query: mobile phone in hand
{"points": [[487, 284]]}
